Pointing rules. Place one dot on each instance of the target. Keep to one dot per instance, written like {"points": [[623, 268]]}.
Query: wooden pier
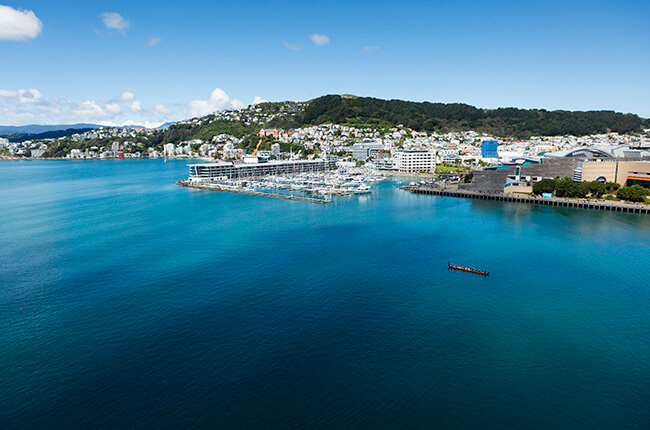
{"points": [[615, 206], [210, 187]]}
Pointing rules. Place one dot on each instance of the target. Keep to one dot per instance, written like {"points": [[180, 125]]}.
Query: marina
{"points": [[315, 187], [251, 192]]}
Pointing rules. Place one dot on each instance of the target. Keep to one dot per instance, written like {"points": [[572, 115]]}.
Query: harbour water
{"points": [[129, 302]]}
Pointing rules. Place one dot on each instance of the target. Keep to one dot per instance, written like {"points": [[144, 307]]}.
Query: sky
{"points": [[145, 63]]}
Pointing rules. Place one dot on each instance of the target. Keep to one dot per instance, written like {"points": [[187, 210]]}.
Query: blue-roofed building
{"points": [[489, 149]]}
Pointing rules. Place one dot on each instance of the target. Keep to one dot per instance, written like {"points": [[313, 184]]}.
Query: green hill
{"points": [[503, 122]]}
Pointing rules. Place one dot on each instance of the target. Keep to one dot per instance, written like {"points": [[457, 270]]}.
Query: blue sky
{"points": [[112, 62]]}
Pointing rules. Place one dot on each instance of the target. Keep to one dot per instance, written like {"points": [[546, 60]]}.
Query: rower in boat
{"points": [[467, 269]]}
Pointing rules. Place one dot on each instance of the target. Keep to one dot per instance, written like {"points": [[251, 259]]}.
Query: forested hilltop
{"points": [[503, 122]]}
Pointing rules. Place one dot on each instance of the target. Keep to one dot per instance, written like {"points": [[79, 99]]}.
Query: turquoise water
{"points": [[126, 301]]}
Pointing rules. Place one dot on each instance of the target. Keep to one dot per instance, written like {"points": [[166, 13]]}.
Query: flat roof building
{"points": [[416, 160], [223, 170], [361, 151]]}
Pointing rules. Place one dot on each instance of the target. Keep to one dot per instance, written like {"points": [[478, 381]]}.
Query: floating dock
{"points": [[187, 184], [595, 205]]}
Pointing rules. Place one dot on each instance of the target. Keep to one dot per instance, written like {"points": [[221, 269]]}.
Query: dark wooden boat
{"points": [[468, 269]]}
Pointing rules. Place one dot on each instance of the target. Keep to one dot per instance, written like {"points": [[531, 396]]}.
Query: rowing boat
{"points": [[468, 269]]}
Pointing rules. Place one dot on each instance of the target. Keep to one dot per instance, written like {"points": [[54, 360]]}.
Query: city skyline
{"points": [[118, 63]]}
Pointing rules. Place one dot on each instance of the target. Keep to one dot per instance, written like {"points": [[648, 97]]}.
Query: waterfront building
{"points": [[385, 163], [224, 170], [601, 151], [624, 172], [363, 150], [416, 160]]}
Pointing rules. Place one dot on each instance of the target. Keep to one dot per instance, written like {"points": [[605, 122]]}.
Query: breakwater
{"points": [[187, 184], [583, 204]]}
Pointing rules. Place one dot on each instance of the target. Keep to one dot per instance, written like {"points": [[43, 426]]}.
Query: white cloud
{"points": [[12, 115], [29, 96], [371, 49], [153, 41], [218, 100], [23, 106], [113, 108], [131, 123], [115, 21], [320, 39], [257, 100], [8, 93], [29, 106], [162, 109], [18, 24], [90, 109], [136, 106], [292, 46]]}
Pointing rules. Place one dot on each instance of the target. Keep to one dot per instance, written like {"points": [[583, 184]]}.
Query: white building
{"points": [[415, 161], [275, 149], [363, 150], [169, 149]]}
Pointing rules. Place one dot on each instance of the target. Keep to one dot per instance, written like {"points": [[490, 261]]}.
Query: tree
{"points": [[544, 186], [565, 188], [597, 188], [635, 193], [583, 189]]}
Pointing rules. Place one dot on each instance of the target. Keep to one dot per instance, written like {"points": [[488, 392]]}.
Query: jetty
{"points": [[615, 206], [215, 187]]}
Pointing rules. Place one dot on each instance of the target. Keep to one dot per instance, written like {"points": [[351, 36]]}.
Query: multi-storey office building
{"points": [[415, 161]]}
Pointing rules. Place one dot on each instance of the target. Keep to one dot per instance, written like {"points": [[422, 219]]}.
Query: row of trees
{"points": [[567, 187]]}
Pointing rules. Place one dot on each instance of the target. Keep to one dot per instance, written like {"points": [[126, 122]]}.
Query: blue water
{"points": [[129, 302]]}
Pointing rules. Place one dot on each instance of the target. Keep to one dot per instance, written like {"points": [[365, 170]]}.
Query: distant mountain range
{"points": [[11, 130], [8, 130]]}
